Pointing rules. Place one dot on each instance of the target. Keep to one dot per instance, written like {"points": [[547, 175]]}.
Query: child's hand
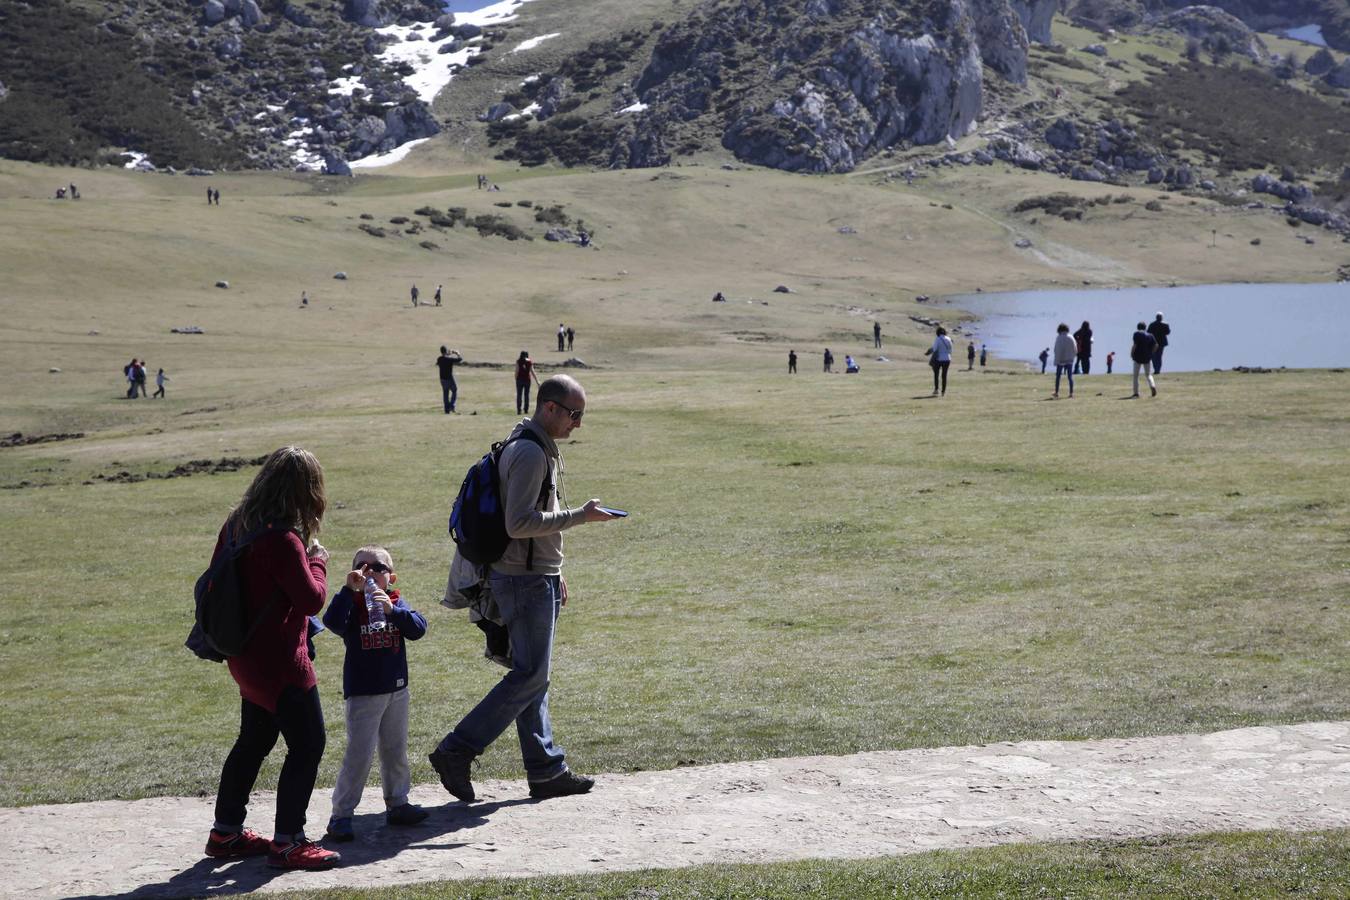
{"points": [[356, 581]]}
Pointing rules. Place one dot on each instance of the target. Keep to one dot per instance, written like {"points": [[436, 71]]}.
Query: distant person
{"points": [[562, 336], [449, 390], [1066, 351], [438, 295], [283, 578], [216, 193], [970, 356], [940, 358], [850, 367], [160, 380], [876, 335], [415, 294], [1143, 346], [984, 355], [1083, 340], [374, 691], [719, 298], [140, 375], [829, 361], [210, 197], [571, 336], [524, 372], [74, 192], [60, 193], [1044, 358], [1160, 330], [530, 591], [128, 371], [792, 362], [1110, 358]]}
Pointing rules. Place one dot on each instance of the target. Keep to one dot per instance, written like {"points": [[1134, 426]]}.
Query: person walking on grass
{"points": [[449, 390], [283, 576], [876, 335], [415, 294], [562, 336], [792, 362], [530, 591], [1143, 346], [1066, 351], [438, 295], [940, 358], [160, 379], [375, 692], [571, 336], [524, 373], [1160, 331], [829, 361], [970, 357]]}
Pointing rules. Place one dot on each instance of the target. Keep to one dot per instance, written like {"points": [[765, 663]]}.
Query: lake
{"points": [[1214, 326], [1308, 34]]}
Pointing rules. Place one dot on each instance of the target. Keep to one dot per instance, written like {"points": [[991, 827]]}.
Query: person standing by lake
{"points": [[449, 390], [940, 358], [1044, 358], [876, 335], [1160, 330], [1110, 360], [283, 576], [970, 357], [1143, 346], [1083, 341], [530, 591], [792, 362], [524, 372], [1066, 350], [984, 355]]}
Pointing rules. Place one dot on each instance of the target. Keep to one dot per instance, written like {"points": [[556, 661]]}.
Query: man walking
{"points": [[1160, 330], [876, 335], [792, 362], [449, 390], [562, 336], [438, 295], [1143, 347], [414, 294], [530, 591], [970, 357]]}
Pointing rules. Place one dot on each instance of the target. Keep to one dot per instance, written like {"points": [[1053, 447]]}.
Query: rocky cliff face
{"points": [[820, 85], [1263, 15]]}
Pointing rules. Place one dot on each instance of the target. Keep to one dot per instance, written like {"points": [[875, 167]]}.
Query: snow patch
{"points": [[384, 159], [635, 108], [534, 42]]}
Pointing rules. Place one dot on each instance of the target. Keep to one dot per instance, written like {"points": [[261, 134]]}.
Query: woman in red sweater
{"points": [[284, 577]]}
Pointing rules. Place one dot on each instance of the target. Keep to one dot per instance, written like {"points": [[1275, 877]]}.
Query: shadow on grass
{"points": [[374, 841]]}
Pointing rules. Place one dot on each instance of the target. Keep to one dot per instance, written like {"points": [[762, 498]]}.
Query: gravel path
{"points": [[868, 804]]}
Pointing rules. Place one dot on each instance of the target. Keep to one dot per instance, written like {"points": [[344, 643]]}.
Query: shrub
{"points": [[1153, 206], [1053, 204], [525, 203], [429, 245], [506, 204], [372, 230], [399, 220], [426, 211]]}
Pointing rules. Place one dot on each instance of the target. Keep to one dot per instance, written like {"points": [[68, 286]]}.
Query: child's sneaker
{"points": [[407, 814], [302, 854], [340, 830], [222, 845]]}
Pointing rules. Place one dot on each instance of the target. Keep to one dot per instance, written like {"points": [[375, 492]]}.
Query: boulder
{"points": [[229, 46], [1320, 63], [1268, 184], [782, 289], [554, 93], [296, 15], [1002, 39], [340, 276], [496, 112], [213, 12], [1339, 77], [223, 284], [1216, 30], [334, 164], [1064, 135], [250, 14], [370, 13], [1095, 49], [465, 31], [564, 235], [445, 21], [1081, 174]]}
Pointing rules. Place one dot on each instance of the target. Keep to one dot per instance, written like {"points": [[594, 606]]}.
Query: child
{"points": [[160, 378], [375, 688]]}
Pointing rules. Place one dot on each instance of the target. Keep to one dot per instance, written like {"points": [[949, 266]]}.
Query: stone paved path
{"points": [[868, 804]]}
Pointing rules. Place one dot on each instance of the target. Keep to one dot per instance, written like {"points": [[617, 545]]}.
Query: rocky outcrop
{"points": [[1002, 38], [1339, 77], [1285, 190], [819, 85], [405, 122], [1320, 63], [1216, 30], [1036, 16], [370, 13]]}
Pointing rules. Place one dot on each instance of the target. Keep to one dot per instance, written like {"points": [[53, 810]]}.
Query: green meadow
{"points": [[817, 564]]}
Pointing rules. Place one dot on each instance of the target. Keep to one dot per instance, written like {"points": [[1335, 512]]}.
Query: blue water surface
{"points": [[1214, 326], [1308, 34]]}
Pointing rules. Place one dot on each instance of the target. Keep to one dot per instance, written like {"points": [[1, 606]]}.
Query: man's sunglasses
{"points": [[375, 567], [576, 414]]}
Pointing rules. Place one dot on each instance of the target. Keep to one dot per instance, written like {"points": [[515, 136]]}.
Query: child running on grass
{"points": [[375, 687]]}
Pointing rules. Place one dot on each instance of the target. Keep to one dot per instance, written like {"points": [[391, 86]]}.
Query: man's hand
{"points": [[562, 580], [592, 512]]}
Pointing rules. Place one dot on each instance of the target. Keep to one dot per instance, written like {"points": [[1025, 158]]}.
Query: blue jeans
{"points": [[522, 397], [1063, 370], [529, 606], [449, 393]]}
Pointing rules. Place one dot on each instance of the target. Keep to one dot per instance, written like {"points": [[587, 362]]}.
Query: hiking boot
{"points": [[302, 854], [221, 845], [453, 767], [407, 814], [1153, 390], [565, 785], [340, 830]]}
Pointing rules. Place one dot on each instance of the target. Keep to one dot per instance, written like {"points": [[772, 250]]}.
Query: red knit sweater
{"points": [[286, 587]]}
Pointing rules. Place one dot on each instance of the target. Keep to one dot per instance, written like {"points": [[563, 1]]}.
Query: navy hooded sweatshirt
{"points": [[375, 662]]}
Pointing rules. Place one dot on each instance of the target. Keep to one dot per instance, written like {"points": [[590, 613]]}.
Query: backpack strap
{"points": [[544, 486]]}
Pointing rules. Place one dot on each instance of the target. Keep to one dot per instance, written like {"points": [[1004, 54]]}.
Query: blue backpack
{"points": [[478, 520]]}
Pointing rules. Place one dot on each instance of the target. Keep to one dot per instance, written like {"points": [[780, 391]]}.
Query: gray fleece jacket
{"points": [[523, 467]]}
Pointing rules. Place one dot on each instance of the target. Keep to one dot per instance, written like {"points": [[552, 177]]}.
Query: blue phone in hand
{"points": [[617, 513]]}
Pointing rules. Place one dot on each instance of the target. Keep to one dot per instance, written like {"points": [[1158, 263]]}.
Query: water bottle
{"points": [[374, 608]]}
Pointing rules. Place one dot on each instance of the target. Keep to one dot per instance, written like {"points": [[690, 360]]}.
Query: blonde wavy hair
{"points": [[287, 491]]}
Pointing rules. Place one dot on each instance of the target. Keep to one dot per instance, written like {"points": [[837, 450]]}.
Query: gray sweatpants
{"points": [[376, 719]]}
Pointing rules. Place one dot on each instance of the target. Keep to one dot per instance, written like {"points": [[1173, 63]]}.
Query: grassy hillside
{"points": [[1148, 567]]}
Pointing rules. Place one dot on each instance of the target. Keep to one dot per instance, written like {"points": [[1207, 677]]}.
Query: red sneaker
{"points": [[303, 854], [234, 846]]}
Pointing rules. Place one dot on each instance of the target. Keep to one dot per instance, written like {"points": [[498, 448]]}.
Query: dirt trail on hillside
{"points": [[868, 804]]}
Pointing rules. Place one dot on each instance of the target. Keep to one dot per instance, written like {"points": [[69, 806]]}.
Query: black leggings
{"points": [[942, 367], [299, 719]]}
